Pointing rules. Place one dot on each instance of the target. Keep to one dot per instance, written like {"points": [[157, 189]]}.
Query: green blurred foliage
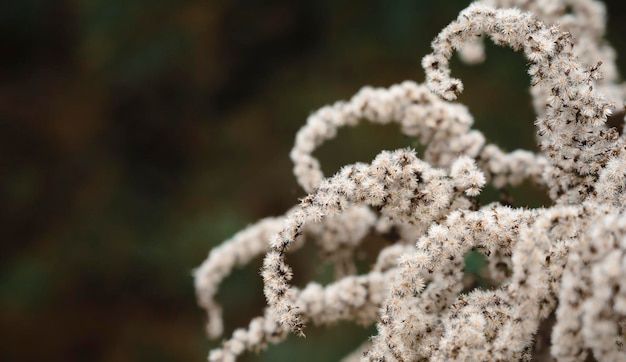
{"points": [[136, 135]]}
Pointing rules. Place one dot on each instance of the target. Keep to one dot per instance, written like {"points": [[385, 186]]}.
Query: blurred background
{"points": [[136, 135]]}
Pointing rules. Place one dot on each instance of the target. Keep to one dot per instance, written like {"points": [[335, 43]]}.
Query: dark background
{"points": [[136, 135]]}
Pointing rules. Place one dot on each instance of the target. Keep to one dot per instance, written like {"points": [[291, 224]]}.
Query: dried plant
{"points": [[567, 260]]}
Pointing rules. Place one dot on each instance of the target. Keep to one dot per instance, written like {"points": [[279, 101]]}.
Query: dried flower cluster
{"points": [[566, 261]]}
